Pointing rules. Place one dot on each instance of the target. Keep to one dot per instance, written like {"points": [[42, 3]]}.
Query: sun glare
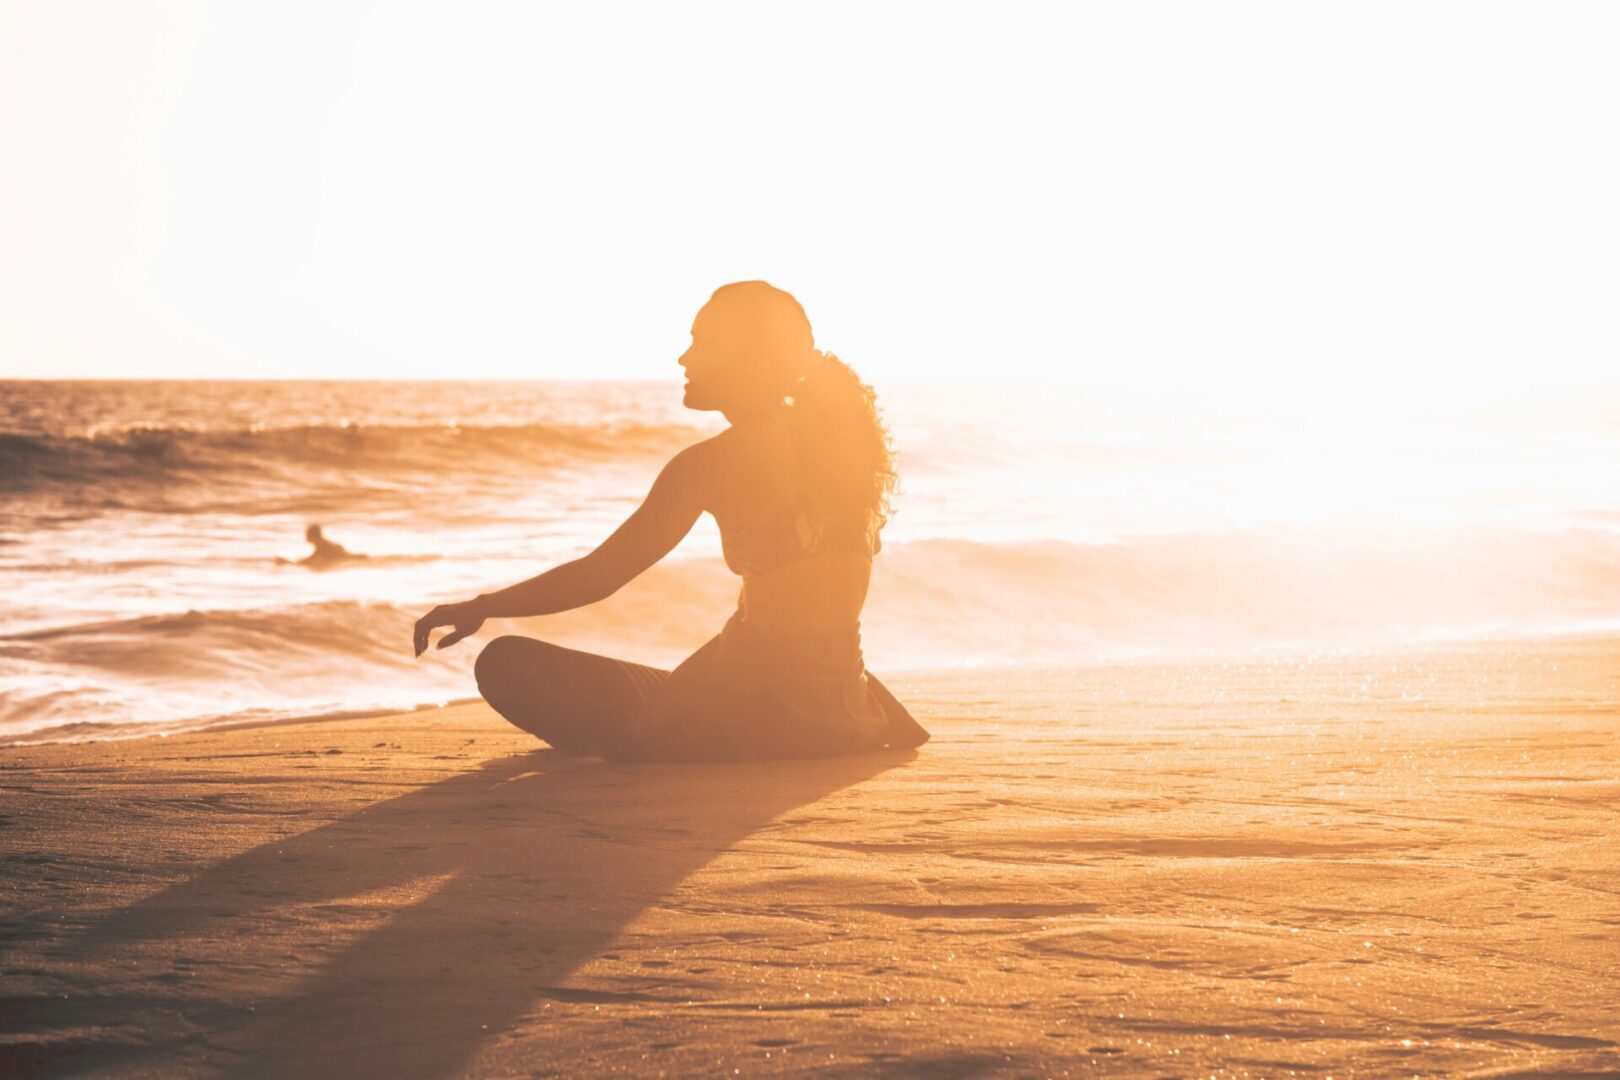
{"points": [[839, 539]]}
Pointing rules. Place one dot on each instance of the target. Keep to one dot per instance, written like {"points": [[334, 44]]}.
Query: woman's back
{"points": [[805, 575]]}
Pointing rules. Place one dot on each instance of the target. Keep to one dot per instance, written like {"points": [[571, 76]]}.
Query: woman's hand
{"points": [[465, 617]]}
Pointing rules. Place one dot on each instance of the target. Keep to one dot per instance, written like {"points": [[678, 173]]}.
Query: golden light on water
{"points": [[1235, 692]]}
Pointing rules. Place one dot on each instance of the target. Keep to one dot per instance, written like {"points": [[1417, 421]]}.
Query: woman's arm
{"points": [[658, 524], [664, 517]]}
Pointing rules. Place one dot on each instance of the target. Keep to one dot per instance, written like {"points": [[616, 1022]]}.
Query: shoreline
{"points": [[1374, 865], [1258, 654]]}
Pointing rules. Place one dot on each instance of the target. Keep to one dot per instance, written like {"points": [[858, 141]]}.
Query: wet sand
{"points": [[1400, 863]]}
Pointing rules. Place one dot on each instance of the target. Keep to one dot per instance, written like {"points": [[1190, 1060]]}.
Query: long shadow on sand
{"points": [[395, 941]]}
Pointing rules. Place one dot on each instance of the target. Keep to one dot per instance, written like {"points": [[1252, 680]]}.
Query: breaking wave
{"points": [[933, 603], [153, 460]]}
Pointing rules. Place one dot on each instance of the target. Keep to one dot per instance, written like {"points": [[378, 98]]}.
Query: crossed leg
{"points": [[577, 701]]}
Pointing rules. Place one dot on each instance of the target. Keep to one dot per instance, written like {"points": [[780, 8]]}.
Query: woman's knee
{"points": [[499, 662]]}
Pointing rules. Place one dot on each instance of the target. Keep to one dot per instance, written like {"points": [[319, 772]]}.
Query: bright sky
{"points": [[1336, 198]]}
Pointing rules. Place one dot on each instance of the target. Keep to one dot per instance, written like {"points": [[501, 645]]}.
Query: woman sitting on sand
{"points": [[800, 485]]}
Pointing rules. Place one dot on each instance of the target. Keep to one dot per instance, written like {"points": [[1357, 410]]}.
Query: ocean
{"points": [[1056, 525]]}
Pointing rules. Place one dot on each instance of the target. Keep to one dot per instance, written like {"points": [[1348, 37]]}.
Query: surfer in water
{"points": [[800, 484], [327, 553]]}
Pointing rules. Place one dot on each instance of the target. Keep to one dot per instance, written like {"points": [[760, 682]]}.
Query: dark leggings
{"points": [[579, 702]]}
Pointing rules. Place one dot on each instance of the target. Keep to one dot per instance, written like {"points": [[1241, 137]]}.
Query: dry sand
{"points": [[1388, 864]]}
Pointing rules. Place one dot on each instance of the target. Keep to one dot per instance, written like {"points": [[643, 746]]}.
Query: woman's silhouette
{"points": [[800, 485]]}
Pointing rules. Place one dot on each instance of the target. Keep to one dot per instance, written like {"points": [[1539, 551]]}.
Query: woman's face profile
{"points": [[711, 363]]}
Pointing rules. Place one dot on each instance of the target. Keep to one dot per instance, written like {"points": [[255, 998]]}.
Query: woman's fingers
{"points": [[444, 615], [465, 627], [424, 626]]}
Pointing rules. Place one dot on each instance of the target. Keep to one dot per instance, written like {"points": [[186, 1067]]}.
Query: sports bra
{"points": [[789, 536]]}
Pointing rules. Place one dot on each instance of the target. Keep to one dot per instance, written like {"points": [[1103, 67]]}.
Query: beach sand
{"points": [[1377, 864]]}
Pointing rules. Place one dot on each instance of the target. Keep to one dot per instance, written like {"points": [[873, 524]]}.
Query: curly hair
{"points": [[846, 454]]}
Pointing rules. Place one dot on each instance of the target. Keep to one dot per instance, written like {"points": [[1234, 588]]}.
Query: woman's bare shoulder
{"points": [[737, 468], [707, 453], [726, 450], [701, 467]]}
